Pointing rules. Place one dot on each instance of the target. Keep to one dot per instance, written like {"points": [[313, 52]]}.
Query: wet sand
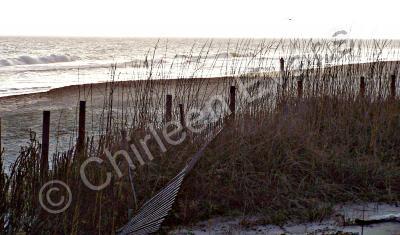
{"points": [[65, 97], [22, 113]]}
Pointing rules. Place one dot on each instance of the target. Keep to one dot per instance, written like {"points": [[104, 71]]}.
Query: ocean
{"points": [[30, 65]]}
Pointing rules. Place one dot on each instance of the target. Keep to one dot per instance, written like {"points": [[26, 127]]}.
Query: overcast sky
{"points": [[201, 18]]}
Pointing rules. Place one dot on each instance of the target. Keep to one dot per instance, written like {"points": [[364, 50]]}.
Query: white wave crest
{"points": [[28, 60]]}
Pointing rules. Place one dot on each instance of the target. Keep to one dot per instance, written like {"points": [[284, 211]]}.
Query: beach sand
{"points": [[334, 225], [22, 113], [65, 97]]}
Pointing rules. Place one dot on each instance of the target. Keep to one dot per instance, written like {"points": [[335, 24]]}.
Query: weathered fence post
{"points": [[44, 160], [82, 126], [300, 87], [283, 77], [362, 87], [182, 115], [168, 109], [393, 87], [232, 103], [282, 65], [0, 138]]}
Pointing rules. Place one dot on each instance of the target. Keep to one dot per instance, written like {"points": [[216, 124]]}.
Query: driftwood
{"points": [[379, 219]]}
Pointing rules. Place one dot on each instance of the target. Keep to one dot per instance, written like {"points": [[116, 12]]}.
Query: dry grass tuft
{"points": [[285, 158]]}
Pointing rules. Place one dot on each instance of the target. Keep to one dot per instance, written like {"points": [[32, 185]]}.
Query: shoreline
{"points": [[76, 87], [21, 113], [97, 85], [68, 95]]}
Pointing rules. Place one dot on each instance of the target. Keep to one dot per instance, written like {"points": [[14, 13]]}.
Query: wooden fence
{"points": [[168, 116]]}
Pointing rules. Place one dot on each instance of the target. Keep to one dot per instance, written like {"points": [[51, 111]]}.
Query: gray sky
{"points": [[201, 18]]}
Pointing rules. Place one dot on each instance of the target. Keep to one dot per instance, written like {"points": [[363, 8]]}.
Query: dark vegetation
{"points": [[284, 157]]}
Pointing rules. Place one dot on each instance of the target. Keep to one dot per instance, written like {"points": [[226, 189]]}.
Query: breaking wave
{"points": [[221, 55], [28, 60]]}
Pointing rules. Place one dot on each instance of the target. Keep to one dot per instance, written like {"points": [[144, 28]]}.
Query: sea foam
{"points": [[28, 60]]}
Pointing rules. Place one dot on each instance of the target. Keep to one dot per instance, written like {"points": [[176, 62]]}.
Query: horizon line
{"points": [[191, 37]]}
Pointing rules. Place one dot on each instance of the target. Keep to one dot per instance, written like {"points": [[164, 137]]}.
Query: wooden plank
{"points": [[393, 87], [282, 65], [82, 125], [232, 103], [362, 87], [1, 149], [44, 161], [300, 87], [182, 115], [168, 109]]}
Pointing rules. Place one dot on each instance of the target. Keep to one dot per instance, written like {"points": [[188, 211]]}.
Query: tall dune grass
{"points": [[283, 157]]}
